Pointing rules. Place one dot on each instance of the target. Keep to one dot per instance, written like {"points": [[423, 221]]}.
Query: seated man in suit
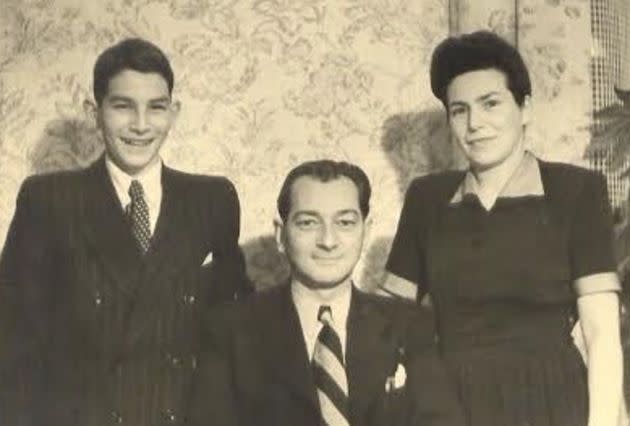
{"points": [[318, 351], [108, 270]]}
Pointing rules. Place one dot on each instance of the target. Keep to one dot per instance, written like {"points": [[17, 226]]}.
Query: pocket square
{"points": [[207, 260], [396, 381]]}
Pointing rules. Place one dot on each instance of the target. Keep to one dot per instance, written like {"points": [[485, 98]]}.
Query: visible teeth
{"points": [[137, 141]]}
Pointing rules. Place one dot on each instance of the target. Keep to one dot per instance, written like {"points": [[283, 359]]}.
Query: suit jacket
{"points": [[258, 372], [96, 332]]}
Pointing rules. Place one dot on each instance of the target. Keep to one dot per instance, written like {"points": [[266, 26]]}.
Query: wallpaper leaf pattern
{"points": [[266, 84]]}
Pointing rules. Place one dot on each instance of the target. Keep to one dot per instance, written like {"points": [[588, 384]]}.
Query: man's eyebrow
{"points": [[348, 211], [305, 213], [317, 214], [122, 98], [160, 99], [119, 98]]}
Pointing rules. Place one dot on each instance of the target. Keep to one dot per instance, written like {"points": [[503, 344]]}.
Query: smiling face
{"points": [[485, 119], [135, 117], [324, 231]]}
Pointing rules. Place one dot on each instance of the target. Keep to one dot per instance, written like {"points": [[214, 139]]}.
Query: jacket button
{"points": [[170, 417], [175, 361], [98, 299], [189, 299], [116, 417]]}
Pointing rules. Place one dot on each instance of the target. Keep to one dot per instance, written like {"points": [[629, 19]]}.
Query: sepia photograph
{"points": [[314, 212]]}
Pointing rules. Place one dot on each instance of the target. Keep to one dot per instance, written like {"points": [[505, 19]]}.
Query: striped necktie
{"points": [[138, 212], [329, 373]]}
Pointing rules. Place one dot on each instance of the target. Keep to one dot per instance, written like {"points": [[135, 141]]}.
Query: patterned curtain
{"points": [[623, 31], [610, 69]]}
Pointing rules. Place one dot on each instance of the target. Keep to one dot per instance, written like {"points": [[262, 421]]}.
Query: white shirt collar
{"points": [[307, 302], [151, 180], [525, 181]]}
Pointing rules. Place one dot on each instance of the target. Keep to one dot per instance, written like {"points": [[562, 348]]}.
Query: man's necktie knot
{"points": [[324, 315], [138, 211], [136, 191]]}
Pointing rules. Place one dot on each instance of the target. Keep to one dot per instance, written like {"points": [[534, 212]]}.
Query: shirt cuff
{"points": [[596, 283]]}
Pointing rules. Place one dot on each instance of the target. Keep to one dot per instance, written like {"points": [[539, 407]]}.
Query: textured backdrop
{"points": [[266, 84]]}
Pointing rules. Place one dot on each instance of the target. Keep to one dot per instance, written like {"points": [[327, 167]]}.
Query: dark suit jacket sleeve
{"points": [[25, 265], [229, 273], [213, 400], [433, 399]]}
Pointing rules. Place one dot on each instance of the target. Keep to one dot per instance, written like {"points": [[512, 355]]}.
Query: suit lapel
{"points": [[172, 237], [172, 248], [371, 352], [284, 349], [106, 228]]}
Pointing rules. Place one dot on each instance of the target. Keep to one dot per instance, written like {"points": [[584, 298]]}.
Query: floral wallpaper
{"points": [[266, 84]]}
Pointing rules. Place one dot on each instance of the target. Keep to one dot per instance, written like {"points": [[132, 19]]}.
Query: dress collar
{"points": [[525, 181]]}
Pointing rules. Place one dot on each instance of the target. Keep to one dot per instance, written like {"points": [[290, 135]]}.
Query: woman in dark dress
{"points": [[512, 252]]}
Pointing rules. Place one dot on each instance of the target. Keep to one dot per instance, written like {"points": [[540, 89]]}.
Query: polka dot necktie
{"points": [[138, 212], [329, 373]]}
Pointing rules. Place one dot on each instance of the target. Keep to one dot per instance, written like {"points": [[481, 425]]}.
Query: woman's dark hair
{"points": [[325, 171], [134, 54], [480, 50]]}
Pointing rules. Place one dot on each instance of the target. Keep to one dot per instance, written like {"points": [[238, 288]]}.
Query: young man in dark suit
{"points": [[318, 351], [108, 270]]}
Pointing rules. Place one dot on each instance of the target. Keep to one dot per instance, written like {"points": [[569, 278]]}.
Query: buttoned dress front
{"points": [[501, 281]]}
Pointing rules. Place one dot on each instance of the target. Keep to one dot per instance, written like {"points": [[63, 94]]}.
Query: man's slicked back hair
{"points": [[325, 171]]}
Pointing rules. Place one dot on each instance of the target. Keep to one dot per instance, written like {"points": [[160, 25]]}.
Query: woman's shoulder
{"points": [[445, 182], [568, 183], [566, 172]]}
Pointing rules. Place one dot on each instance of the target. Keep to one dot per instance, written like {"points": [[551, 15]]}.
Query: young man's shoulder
{"points": [[51, 183], [197, 177], [200, 182]]}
